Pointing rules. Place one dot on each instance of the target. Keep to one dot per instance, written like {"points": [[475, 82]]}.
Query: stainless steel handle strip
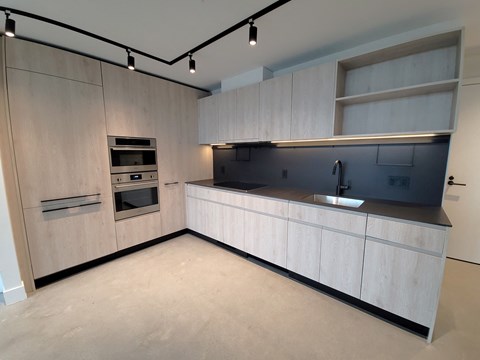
{"points": [[70, 197], [171, 183], [71, 207], [135, 184]]}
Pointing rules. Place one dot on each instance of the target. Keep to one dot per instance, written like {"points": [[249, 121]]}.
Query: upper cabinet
{"points": [[227, 112], [208, 120], [246, 122], [407, 88], [25, 55], [312, 102], [275, 112]]}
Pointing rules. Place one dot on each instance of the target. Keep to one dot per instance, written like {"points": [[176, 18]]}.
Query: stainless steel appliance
{"points": [[135, 194], [128, 154]]}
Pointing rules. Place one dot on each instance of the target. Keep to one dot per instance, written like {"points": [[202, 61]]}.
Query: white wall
{"points": [[11, 285]]}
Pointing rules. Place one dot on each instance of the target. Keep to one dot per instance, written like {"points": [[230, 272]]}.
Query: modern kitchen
{"points": [[261, 188]]}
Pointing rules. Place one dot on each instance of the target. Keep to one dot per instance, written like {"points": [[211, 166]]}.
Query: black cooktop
{"points": [[238, 185]]}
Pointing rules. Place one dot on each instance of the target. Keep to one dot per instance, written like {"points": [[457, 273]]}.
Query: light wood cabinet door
{"points": [[303, 250], [26, 55], [313, 102], [138, 229], [246, 122], [133, 101], [59, 137], [275, 113], [266, 237], [208, 120], [172, 207], [341, 262], [227, 110], [61, 239], [233, 223], [205, 217], [404, 282]]}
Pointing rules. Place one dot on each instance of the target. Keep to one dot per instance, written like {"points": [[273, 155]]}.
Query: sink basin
{"points": [[335, 200]]}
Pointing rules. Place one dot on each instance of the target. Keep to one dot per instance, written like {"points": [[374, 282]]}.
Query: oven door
{"points": [[133, 199], [131, 159]]}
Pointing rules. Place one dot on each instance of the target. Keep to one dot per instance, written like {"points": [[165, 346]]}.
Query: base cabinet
{"points": [[233, 227], [172, 207], [266, 237], [342, 261], [62, 239], [138, 229], [402, 281], [303, 250]]}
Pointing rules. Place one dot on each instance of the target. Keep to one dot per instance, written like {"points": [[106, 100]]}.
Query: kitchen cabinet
{"points": [[227, 114], [233, 223], [138, 229], [303, 249], [247, 107], [172, 207], [58, 129], [208, 120], [405, 88], [403, 268], [342, 261], [312, 102], [266, 237], [275, 111]]}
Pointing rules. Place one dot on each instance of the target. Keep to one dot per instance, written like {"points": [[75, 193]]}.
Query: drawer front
{"points": [[266, 206], [320, 216], [230, 198], [201, 192], [417, 236]]}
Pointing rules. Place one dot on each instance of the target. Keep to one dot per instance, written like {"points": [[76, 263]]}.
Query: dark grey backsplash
{"points": [[412, 173]]}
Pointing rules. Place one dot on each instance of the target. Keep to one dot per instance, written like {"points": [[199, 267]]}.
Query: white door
{"points": [[462, 203]]}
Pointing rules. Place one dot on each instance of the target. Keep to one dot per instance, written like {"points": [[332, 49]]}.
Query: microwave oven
{"points": [[129, 154]]}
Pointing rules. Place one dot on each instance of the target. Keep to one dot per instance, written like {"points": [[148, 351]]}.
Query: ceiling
{"points": [[299, 31]]}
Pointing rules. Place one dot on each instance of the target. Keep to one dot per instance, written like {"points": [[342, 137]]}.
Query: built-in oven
{"points": [[135, 194], [128, 154]]}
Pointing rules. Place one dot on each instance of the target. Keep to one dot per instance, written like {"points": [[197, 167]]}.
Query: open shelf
{"points": [[423, 89]]}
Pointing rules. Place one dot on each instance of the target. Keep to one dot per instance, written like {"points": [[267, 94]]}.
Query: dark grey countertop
{"points": [[405, 211]]}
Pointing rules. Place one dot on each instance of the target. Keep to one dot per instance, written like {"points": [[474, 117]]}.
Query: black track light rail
{"points": [[215, 38]]}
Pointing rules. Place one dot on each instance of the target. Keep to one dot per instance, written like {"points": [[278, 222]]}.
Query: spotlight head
{"points": [[191, 64], [9, 25], [252, 38], [130, 61]]}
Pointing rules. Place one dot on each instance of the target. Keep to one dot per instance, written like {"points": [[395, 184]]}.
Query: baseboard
{"points": [[13, 295]]}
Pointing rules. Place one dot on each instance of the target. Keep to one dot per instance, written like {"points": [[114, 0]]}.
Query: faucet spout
{"points": [[340, 187]]}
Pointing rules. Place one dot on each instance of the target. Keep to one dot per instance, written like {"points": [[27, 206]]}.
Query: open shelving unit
{"points": [[407, 88]]}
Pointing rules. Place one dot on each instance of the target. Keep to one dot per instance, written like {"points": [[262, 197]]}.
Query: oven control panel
{"points": [[134, 177]]}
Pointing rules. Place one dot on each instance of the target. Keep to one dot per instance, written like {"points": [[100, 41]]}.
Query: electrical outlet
{"points": [[284, 173], [400, 182]]}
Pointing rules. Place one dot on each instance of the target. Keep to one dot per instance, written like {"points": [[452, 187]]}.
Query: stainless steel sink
{"points": [[334, 200]]}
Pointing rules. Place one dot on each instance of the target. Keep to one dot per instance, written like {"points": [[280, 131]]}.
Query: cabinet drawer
{"points": [[417, 236], [230, 198], [267, 206], [201, 192], [335, 219]]}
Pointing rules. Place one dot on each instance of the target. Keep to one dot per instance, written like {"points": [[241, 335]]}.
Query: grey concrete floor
{"points": [[189, 299]]}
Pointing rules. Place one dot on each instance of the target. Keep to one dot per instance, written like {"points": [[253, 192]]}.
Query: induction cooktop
{"points": [[238, 185]]}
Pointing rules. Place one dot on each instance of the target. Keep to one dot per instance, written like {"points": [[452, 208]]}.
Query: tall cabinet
{"points": [[58, 129]]}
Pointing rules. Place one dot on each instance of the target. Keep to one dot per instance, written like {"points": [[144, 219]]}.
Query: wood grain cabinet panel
{"points": [[233, 223], [26, 55], [313, 102], [341, 262], [246, 121], [61, 239], [58, 128], [172, 207], [425, 237], [275, 114], [208, 120], [138, 229], [227, 112], [402, 281], [266, 237], [267, 206], [303, 250]]}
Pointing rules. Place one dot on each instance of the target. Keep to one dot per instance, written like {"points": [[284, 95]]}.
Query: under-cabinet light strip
{"points": [[356, 138]]}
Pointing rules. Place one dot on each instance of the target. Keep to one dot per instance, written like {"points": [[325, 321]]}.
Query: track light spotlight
{"points": [[191, 64], [130, 61], [252, 33], [9, 25]]}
